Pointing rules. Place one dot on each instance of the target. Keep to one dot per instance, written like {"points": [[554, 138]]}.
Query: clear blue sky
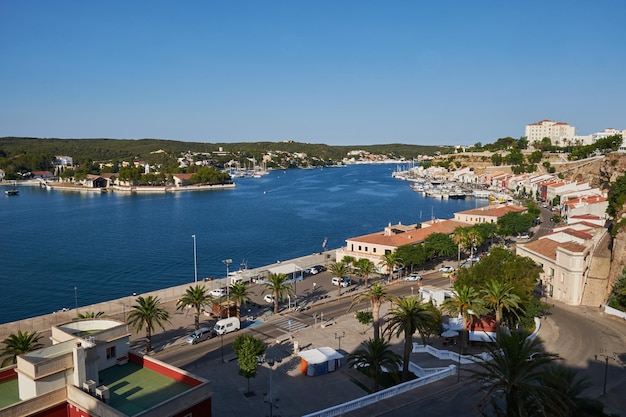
{"points": [[335, 72]]}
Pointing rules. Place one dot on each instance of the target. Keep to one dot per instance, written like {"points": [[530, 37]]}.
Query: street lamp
{"points": [[195, 260], [270, 400], [227, 262]]}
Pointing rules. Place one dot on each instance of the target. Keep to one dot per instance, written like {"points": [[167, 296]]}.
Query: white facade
{"points": [[558, 132]]}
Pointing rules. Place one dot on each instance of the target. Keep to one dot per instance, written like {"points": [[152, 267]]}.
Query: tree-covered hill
{"points": [[145, 149]]}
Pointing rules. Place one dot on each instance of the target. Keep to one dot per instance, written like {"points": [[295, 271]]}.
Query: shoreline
{"points": [[120, 189]]}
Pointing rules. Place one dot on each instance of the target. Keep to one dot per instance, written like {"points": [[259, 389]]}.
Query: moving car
{"points": [[228, 325], [218, 292], [344, 282], [413, 277], [524, 236], [446, 268], [269, 298]]}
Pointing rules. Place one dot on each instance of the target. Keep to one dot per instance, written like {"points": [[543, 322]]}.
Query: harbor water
{"points": [[61, 249]]}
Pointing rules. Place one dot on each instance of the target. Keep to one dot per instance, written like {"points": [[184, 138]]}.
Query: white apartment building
{"points": [[558, 132]]}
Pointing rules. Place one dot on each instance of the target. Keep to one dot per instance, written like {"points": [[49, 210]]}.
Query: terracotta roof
{"points": [[594, 199], [586, 216], [183, 176], [413, 236], [498, 211], [548, 247]]}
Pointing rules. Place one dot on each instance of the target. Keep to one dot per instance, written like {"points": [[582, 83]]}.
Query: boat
{"points": [[12, 192]]}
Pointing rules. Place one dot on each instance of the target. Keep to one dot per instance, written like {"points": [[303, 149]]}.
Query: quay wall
{"points": [[118, 308]]}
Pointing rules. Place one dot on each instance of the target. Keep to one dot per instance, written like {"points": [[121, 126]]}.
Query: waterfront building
{"points": [[593, 205], [89, 371], [558, 132], [487, 214]]}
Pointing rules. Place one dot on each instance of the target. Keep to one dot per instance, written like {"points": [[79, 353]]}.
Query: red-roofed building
{"points": [[566, 257], [487, 214], [591, 205], [375, 245]]}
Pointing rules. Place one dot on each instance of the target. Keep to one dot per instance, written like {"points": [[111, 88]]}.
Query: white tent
{"points": [[285, 269], [319, 361]]}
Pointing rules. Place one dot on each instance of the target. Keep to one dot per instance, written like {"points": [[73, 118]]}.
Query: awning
{"points": [[320, 355], [284, 269]]}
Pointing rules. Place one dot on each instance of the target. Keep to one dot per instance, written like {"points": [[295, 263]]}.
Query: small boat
{"points": [[13, 191]]}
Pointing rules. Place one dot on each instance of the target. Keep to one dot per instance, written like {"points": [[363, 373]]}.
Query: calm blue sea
{"points": [[112, 245]]}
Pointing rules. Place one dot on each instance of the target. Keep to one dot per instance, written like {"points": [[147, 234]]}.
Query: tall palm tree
{"points": [[350, 262], [365, 267], [376, 296], [278, 285], [567, 382], [17, 344], [240, 294], [148, 312], [339, 270], [513, 380], [461, 238], [408, 315], [500, 296], [476, 239], [389, 261], [196, 297], [465, 302], [375, 356]]}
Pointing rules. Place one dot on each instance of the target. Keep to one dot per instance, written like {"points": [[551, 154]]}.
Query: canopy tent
{"points": [[320, 361]]}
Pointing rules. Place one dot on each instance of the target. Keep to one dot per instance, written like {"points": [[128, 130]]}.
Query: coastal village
{"points": [[72, 377]]}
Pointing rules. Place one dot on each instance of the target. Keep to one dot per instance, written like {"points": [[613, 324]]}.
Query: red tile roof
{"points": [[409, 237], [497, 211], [548, 247]]}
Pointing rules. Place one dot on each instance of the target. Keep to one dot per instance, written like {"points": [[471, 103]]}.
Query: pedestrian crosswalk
{"points": [[290, 325]]}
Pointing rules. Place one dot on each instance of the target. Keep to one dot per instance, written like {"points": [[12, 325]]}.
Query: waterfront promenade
{"points": [[118, 308]]}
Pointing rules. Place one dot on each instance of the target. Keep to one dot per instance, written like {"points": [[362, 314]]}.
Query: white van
{"points": [[199, 335], [228, 325]]}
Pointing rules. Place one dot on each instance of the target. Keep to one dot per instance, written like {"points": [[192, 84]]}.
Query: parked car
{"points": [[446, 268], [218, 292], [524, 236], [199, 335], [223, 326], [320, 268], [344, 282], [413, 277], [314, 270], [269, 298]]}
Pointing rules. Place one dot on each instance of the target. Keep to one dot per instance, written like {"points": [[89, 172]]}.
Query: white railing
{"points": [[384, 394]]}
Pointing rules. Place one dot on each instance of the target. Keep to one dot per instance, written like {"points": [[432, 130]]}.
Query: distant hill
{"points": [[145, 149]]}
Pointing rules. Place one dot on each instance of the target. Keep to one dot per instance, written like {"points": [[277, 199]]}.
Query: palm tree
{"points": [[465, 302], [376, 296], [513, 378], [17, 344], [196, 297], [389, 261], [349, 261], [240, 294], [500, 296], [365, 267], [339, 270], [570, 386], [278, 285], [375, 356], [408, 315], [90, 315], [148, 312], [461, 238]]}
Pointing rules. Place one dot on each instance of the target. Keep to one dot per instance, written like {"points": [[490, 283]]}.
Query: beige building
{"points": [[565, 256], [487, 214], [558, 132]]}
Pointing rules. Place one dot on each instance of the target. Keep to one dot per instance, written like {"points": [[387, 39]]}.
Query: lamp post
{"points": [[76, 298], [270, 399], [227, 262], [606, 357], [339, 336], [195, 260]]}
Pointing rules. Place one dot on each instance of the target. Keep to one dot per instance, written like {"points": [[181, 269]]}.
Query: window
{"points": [[374, 250], [111, 352]]}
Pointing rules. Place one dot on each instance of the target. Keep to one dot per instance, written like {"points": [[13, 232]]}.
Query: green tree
{"points": [[240, 293], [196, 297], [373, 357], [514, 223], [440, 245], [278, 285], [465, 302], [390, 262], [148, 312], [513, 378], [18, 344], [376, 295], [364, 317], [413, 255], [338, 270], [407, 316], [248, 350], [500, 296], [365, 268], [461, 238], [90, 315]]}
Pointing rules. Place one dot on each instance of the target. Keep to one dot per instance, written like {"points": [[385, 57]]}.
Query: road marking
{"points": [[292, 325]]}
